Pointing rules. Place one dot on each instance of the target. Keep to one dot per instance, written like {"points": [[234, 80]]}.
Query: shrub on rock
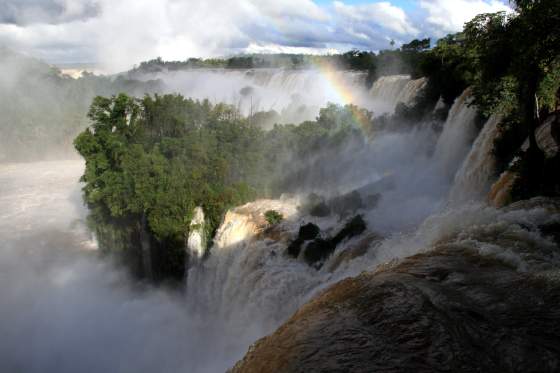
{"points": [[273, 217]]}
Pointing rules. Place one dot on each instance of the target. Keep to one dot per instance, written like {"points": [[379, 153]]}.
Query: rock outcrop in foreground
{"points": [[486, 301]]}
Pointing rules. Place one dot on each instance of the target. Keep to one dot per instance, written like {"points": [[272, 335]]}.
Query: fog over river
{"points": [[62, 309]]}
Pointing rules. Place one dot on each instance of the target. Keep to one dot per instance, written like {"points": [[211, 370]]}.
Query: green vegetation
{"points": [[151, 161], [42, 110], [354, 60], [273, 217], [516, 60]]}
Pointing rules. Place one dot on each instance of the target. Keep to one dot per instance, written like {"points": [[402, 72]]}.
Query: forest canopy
{"points": [[151, 161]]}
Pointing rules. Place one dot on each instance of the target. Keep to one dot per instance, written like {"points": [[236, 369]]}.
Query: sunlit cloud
{"points": [[447, 16], [119, 34]]}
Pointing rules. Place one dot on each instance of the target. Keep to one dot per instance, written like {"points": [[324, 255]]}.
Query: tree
{"points": [[536, 31], [416, 45], [513, 55]]}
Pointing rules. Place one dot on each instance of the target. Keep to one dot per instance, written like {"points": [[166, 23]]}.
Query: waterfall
{"points": [[480, 268], [458, 133], [244, 290], [388, 91], [296, 94], [246, 276], [411, 90], [473, 180], [196, 241]]}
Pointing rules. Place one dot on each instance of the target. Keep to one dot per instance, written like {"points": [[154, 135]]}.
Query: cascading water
{"points": [[475, 176], [248, 278], [247, 286], [295, 94], [458, 133], [196, 241], [387, 89], [477, 269], [411, 90]]}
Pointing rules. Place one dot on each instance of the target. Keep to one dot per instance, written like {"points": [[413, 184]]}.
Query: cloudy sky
{"points": [[119, 33]]}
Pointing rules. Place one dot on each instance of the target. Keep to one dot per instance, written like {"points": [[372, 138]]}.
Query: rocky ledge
{"points": [[483, 303]]}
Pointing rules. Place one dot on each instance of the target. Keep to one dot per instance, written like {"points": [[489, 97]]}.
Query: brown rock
{"points": [[449, 310]]}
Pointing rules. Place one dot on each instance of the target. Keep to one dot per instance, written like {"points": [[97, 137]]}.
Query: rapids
{"points": [[64, 309]]}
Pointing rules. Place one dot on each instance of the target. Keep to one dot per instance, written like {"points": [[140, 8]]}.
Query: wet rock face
{"points": [[354, 227], [546, 136], [449, 310], [317, 251], [308, 231]]}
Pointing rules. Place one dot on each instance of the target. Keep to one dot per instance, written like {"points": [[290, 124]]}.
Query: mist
{"points": [[317, 185], [296, 95], [65, 309], [43, 110]]}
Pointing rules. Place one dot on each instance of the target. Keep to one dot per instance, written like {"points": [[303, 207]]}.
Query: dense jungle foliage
{"points": [[151, 161]]}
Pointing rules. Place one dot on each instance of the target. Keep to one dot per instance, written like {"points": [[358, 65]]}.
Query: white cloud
{"points": [[382, 14], [118, 34], [275, 48], [291, 8], [128, 31], [448, 16]]}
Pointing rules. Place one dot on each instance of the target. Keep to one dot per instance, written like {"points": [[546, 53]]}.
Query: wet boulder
{"points": [[294, 248], [445, 311], [354, 227], [306, 232], [551, 230], [315, 205], [317, 251]]}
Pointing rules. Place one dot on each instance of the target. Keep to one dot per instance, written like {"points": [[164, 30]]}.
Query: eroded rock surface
{"points": [[485, 300]]}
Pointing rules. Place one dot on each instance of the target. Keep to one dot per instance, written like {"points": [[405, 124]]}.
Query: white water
{"points": [[68, 311], [388, 91], [411, 91], [295, 94], [196, 242], [476, 175], [252, 286], [458, 133]]}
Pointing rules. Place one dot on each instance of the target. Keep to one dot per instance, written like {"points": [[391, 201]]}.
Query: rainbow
{"points": [[344, 94]]}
